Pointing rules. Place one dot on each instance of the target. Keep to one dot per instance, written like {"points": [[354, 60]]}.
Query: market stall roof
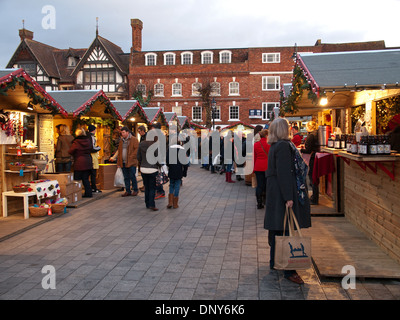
{"points": [[18, 91], [171, 116], [346, 79], [197, 126], [239, 123], [184, 122], [89, 103], [155, 114], [130, 108], [357, 70]]}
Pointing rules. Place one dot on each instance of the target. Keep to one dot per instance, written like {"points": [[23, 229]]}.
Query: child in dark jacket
{"points": [[177, 162]]}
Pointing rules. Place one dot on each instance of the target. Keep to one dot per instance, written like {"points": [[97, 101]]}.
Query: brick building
{"points": [[244, 82]]}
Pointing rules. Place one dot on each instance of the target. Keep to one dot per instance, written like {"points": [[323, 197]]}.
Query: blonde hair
{"points": [[80, 132], [311, 126], [278, 130]]}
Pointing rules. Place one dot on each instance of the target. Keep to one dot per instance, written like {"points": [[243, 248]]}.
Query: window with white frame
{"points": [[270, 83], [196, 87], [196, 113], [234, 88], [169, 58], [225, 56], [151, 59], [271, 57], [177, 89], [233, 112], [187, 58], [206, 57], [159, 90], [268, 109], [141, 88], [177, 110], [215, 89], [217, 113]]}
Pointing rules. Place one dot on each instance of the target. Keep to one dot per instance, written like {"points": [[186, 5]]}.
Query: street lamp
{"points": [[213, 109]]}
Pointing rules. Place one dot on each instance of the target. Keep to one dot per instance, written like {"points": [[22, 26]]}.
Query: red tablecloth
{"points": [[323, 164]]}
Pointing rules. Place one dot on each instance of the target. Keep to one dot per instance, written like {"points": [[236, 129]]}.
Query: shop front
{"points": [[26, 141], [355, 107]]}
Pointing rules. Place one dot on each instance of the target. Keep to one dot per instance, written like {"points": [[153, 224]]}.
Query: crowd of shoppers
{"points": [[274, 169]]}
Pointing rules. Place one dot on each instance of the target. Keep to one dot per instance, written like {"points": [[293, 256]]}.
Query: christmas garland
{"points": [[103, 99], [30, 90], [299, 84]]}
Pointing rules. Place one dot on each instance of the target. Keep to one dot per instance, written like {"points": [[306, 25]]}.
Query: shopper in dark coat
{"points": [[311, 147], [282, 189], [177, 162], [81, 149]]}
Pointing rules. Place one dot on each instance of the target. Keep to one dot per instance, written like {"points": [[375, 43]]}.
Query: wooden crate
{"points": [[105, 175]]}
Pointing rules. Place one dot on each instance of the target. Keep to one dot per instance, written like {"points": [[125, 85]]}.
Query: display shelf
{"points": [[25, 154], [373, 162], [11, 171]]}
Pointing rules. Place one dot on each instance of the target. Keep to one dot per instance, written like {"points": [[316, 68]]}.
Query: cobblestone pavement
{"points": [[212, 247]]}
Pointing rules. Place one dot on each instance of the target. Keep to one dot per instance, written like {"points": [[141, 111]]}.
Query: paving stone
{"points": [[213, 247]]}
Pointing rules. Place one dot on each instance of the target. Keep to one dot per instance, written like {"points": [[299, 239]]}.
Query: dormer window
{"points": [[206, 57], [72, 61], [187, 58], [169, 58], [150, 59], [225, 56]]}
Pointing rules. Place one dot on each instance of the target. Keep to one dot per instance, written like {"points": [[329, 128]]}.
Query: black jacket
{"points": [[176, 169], [282, 187]]}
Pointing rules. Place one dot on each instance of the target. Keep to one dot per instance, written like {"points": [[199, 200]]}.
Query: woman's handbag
{"points": [[161, 178], [292, 252]]}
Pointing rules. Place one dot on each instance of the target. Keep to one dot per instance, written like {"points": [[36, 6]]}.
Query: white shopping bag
{"points": [[119, 178]]}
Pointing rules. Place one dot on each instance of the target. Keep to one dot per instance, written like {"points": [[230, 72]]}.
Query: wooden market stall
{"points": [[338, 86], [87, 107], [132, 114], [198, 128], [156, 115], [172, 120], [239, 126], [26, 137], [184, 122]]}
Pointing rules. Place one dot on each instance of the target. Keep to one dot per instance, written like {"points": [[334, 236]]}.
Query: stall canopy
{"points": [[22, 93], [171, 117], [184, 122], [345, 79], [155, 115], [130, 109], [89, 103], [239, 125], [197, 127]]}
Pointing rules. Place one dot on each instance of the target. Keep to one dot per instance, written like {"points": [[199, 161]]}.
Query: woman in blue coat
{"points": [[282, 190]]}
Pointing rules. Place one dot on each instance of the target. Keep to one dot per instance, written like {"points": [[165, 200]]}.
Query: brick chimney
{"points": [[25, 34], [137, 27]]}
